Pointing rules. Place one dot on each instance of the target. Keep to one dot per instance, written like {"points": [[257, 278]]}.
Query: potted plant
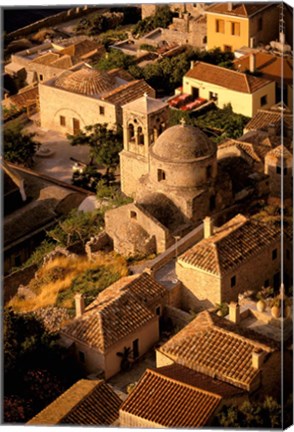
{"points": [[260, 304], [276, 307]]}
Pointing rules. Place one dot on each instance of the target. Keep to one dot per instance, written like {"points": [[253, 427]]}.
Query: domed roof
{"points": [[183, 142], [85, 81]]}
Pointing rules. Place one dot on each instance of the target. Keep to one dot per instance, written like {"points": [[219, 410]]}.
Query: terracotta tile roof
{"points": [[46, 59], [121, 73], [263, 118], [235, 242], [216, 347], [199, 380], [63, 62], [128, 92], [81, 48], [87, 402], [170, 403], [270, 65], [239, 9], [279, 152], [116, 313], [248, 148], [146, 289], [226, 78], [22, 100]]}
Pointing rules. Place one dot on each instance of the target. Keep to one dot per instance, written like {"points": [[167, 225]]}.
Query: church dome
{"points": [[86, 81], [183, 142]]}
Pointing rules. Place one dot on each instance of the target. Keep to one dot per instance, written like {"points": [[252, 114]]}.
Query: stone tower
{"points": [[143, 121]]}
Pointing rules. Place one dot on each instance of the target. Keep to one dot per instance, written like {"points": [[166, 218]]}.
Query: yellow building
{"points": [[231, 26], [246, 93]]}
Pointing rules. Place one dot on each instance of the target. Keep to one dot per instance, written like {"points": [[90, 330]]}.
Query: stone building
{"points": [[223, 264], [279, 167], [84, 96], [87, 402], [123, 319], [144, 120], [173, 176], [221, 349]]}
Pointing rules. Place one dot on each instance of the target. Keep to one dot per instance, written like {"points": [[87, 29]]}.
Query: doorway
{"points": [[76, 126]]}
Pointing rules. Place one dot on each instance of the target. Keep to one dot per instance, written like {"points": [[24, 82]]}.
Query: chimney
{"points": [[252, 63], [282, 38], [208, 227], [230, 6], [192, 64], [80, 305], [234, 312], [257, 359]]}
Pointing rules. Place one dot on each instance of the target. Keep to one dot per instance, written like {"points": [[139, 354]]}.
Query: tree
{"points": [[162, 18], [105, 145], [19, 147], [115, 59]]}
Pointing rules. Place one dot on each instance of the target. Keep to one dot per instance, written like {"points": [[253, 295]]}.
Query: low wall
{"points": [[178, 317], [12, 281], [52, 20]]}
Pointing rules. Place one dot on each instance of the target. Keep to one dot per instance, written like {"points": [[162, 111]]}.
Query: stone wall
{"points": [[52, 20], [270, 25], [12, 281], [178, 317]]}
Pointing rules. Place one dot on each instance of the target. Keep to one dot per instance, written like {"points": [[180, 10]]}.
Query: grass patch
{"points": [[59, 280]]}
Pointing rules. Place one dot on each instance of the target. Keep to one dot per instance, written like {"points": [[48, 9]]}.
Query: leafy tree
{"points": [[105, 145], [266, 414], [87, 178], [77, 226], [19, 147], [162, 18], [115, 59]]}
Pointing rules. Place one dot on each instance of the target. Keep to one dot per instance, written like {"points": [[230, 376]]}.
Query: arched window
{"points": [[140, 136], [131, 132]]}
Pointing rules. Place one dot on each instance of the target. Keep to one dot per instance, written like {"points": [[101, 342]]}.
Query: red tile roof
{"points": [[226, 78], [235, 242], [87, 402], [263, 118], [128, 92], [248, 148], [170, 403], [273, 67], [239, 9], [216, 347], [117, 312], [25, 98]]}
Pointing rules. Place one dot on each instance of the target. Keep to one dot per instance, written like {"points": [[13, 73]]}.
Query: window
{"points": [[41, 77], [133, 214], [213, 96], [204, 40], [219, 26], [62, 121], [259, 25], [233, 281], [131, 132], [227, 48], [136, 348], [287, 254], [278, 170], [285, 171], [266, 283], [235, 29], [208, 171], [160, 175], [212, 203], [274, 254], [101, 110], [140, 136], [82, 357], [263, 100], [158, 310]]}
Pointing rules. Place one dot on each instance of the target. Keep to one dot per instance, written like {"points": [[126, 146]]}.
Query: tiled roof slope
{"points": [[226, 78], [46, 59], [235, 242], [268, 64], [248, 148], [128, 92], [279, 152], [216, 347], [263, 118], [22, 100], [199, 380], [87, 402], [245, 10], [117, 312], [169, 403]]}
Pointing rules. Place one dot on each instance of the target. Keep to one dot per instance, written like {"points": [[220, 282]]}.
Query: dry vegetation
{"points": [[58, 281]]}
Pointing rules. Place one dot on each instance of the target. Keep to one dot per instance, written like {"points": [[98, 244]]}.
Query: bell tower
{"points": [[143, 121]]}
